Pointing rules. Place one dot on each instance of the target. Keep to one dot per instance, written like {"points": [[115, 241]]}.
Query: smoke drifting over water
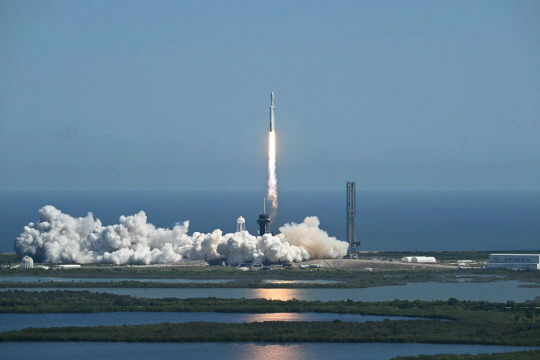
{"points": [[61, 238]]}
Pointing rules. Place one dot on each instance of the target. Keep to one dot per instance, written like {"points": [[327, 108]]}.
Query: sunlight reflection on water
{"points": [[277, 294], [236, 351], [275, 351]]}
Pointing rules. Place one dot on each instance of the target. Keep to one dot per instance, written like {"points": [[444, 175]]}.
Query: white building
{"points": [[27, 262], [69, 266], [514, 261], [419, 259]]}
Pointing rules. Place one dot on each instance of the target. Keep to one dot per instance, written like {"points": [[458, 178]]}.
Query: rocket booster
{"points": [[272, 124]]}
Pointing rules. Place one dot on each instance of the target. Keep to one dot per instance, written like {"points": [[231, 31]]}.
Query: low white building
{"points": [[514, 261], [419, 259], [69, 266], [424, 259]]}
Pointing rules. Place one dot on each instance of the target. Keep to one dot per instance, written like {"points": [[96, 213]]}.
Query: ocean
{"points": [[385, 220]]}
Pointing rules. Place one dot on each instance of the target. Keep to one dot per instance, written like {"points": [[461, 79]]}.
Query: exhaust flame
{"points": [[272, 178]]}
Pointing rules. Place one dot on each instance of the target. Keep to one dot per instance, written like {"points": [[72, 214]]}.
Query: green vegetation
{"points": [[347, 278], [473, 322], [425, 331], [9, 258], [516, 355], [97, 270], [385, 273], [59, 301], [257, 284]]}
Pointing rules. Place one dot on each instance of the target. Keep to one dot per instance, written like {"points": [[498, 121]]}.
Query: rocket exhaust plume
{"points": [[272, 178], [59, 237]]}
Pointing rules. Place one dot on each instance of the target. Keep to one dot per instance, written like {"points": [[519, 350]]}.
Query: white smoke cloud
{"points": [[61, 238]]}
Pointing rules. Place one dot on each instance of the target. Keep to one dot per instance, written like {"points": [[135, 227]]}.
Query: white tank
{"points": [[27, 262], [69, 266], [240, 224]]}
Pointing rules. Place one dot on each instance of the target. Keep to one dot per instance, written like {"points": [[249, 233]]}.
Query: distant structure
{"points": [[27, 262], [419, 259], [351, 220], [264, 221], [240, 224], [70, 266], [514, 261]]}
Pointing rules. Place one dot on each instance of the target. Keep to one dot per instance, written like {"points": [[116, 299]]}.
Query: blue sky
{"points": [[174, 95]]}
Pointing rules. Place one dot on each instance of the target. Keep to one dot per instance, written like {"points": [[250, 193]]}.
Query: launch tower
{"points": [[264, 221], [351, 220]]}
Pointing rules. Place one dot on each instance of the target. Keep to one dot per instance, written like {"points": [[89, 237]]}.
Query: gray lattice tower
{"points": [[351, 219]]}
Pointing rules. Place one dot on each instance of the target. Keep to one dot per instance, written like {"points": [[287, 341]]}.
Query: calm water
{"points": [[385, 220], [500, 291], [235, 351], [21, 321], [268, 281]]}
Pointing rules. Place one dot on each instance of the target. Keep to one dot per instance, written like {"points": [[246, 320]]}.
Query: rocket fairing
{"points": [[272, 123]]}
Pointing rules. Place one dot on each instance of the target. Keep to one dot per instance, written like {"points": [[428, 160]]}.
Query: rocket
{"points": [[272, 124]]}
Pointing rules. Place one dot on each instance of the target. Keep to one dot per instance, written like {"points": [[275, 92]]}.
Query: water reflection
{"points": [[277, 317], [16, 321], [267, 281], [277, 294], [236, 351], [499, 291], [274, 351]]}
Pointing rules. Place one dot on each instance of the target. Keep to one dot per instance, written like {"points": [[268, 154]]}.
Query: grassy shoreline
{"points": [[398, 331], [472, 322], [62, 301], [349, 278]]}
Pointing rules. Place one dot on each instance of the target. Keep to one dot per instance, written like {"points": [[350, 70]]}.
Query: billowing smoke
{"points": [[61, 238]]}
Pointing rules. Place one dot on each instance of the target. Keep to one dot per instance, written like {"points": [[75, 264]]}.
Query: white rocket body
{"points": [[272, 124]]}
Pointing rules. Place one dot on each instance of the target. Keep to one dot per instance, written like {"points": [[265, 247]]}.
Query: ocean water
{"points": [[385, 220]]}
